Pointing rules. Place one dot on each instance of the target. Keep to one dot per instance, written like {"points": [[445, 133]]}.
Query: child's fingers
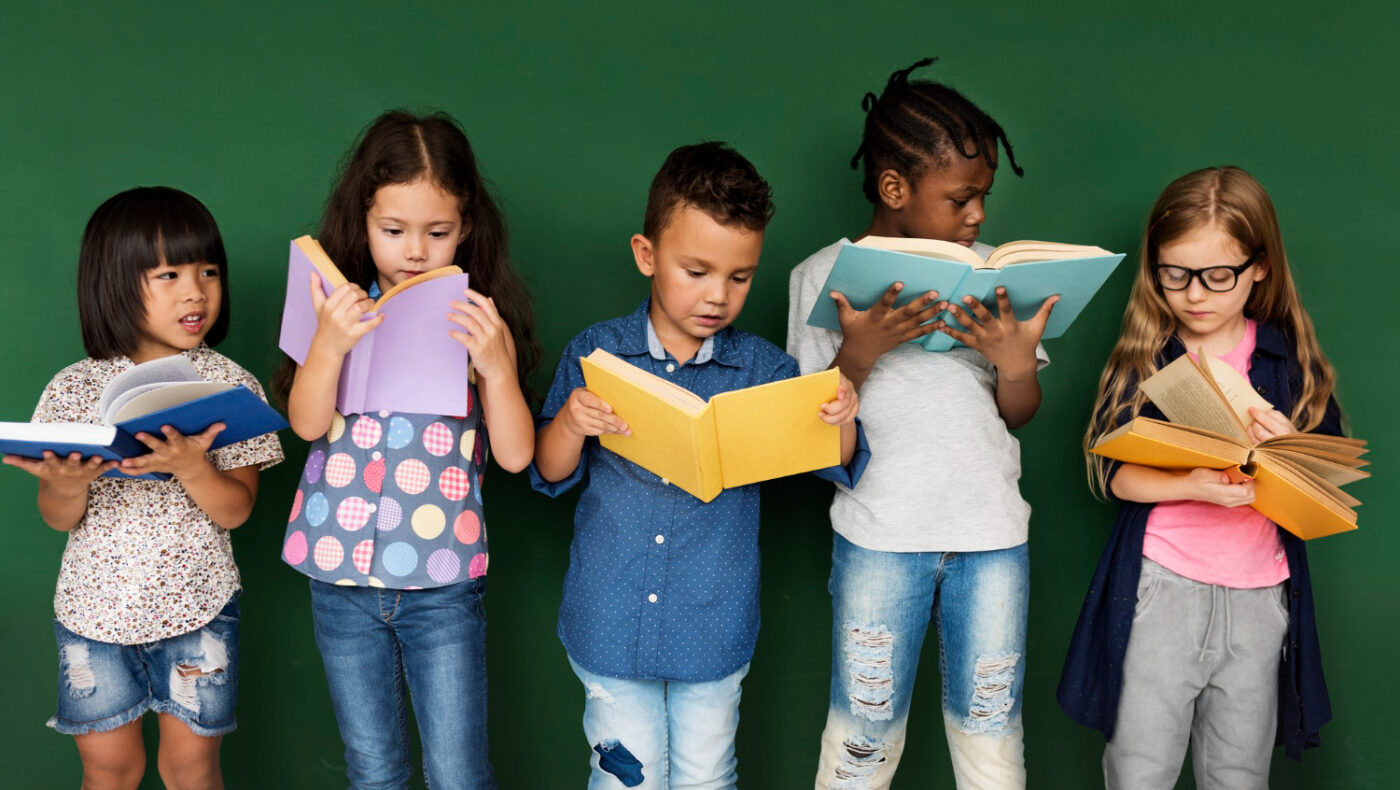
{"points": [[485, 303], [207, 436], [318, 296], [891, 294], [1042, 316], [977, 309]]}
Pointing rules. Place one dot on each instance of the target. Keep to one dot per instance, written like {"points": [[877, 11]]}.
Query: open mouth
{"points": [[193, 322]]}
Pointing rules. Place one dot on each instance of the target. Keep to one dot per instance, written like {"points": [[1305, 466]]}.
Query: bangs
{"points": [[185, 231]]}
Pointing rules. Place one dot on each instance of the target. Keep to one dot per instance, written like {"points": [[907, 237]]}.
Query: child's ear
{"points": [[1262, 269], [893, 189], [644, 253], [466, 230]]}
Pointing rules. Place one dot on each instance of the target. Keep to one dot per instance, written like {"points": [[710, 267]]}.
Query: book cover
{"points": [[736, 438], [409, 363], [865, 270]]}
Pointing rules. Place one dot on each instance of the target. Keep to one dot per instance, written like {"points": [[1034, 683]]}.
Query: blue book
{"points": [[1031, 271], [143, 399]]}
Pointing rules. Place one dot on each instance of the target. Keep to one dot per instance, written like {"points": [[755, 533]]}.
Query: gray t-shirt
{"points": [[943, 468]]}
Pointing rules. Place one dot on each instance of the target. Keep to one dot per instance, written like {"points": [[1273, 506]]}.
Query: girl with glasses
{"points": [[1198, 626]]}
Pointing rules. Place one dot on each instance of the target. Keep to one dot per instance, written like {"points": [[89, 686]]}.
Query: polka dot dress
{"points": [[392, 500]]}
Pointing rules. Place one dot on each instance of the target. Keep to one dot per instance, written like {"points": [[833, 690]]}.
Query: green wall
{"points": [[571, 111]]}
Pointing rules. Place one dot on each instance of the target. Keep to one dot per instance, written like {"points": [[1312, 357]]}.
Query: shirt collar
{"points": [[640, 338], [1268, 339]]}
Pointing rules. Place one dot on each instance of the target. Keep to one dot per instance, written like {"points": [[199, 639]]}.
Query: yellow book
{"points": [[1297, 476], [737, 438]]}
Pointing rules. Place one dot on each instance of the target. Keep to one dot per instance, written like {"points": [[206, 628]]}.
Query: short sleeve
{"points": [[262, 451], [814, 348]]}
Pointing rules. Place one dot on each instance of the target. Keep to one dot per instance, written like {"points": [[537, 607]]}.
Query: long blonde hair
{"points": [[1231, 200]]}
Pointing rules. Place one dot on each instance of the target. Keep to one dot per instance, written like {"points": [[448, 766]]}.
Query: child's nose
{"points": [[416, 249]]}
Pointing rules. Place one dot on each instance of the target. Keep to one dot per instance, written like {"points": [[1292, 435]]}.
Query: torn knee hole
{"points": [[191, 671], [77, 672], [991, 696], [869, 650], [861, 758]]}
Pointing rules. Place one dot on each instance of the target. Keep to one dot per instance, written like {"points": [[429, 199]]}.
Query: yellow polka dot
{"points": [[375, 582], [337, 427], [468, 443], [345, 583], [428, 522]]}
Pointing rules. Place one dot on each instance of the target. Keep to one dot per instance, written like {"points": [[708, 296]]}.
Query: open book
{"points": [[1031, 271], [165, 391], [1297, 476], [409, 363], [740, 437]]}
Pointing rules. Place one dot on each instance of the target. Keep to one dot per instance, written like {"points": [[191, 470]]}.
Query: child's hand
{"points": [[1268, 424], [1213, 485], [868, 334], [841, 411], [174, 454], [1004, 341], [338, 324], [67, 476], [486, 336], [586, 414]]}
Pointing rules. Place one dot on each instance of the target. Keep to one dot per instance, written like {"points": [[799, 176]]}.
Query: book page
{"points": [[433, 274], [929, 248], [1186, 396], [1031, 251], [1236, 388], [163, 396], [141, 378]]}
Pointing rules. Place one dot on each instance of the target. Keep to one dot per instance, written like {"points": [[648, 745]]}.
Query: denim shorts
{"points": [[193, 677]]}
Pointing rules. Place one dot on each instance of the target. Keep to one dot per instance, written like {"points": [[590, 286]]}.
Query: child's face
{"points": [[413, 228], [1202, 314], [182, 303], [947, 203], [700, 275]]}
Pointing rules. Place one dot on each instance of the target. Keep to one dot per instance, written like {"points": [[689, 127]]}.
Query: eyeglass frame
{"points": [[1200, 274]]}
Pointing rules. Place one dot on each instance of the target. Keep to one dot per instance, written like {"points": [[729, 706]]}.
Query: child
{"points": [[938, 528], [660, 608], [146, 610], [401, 601], [1217, 585]]}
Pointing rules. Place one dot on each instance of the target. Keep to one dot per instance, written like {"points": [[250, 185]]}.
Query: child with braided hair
{"points": [[913, 546]]}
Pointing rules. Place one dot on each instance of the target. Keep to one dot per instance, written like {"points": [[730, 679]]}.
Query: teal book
{"points": [[162, 392], [1031, 272]]}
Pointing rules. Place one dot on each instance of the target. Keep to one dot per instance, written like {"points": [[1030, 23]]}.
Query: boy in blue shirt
{"points": [[660, 608]]}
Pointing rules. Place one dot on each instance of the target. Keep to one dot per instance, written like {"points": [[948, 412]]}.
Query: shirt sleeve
{"points": [[849, 474], [261, 451], [568, 376], [814, 348]]}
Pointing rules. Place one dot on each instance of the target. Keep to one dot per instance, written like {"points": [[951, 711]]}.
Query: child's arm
{"points": [[842, 412], [311, 403], [559, 445], [226, 496], [868, 334], [1010, 346], [488, 340], [63, 485], [1136, 483]]}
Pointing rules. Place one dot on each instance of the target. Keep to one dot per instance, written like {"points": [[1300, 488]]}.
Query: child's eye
{"points": [[392, 231], [697, 274], [741, 278], [165, 276], [960, 203], [212, 271], [438, 234]]}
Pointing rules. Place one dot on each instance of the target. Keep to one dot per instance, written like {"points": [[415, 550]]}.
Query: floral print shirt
{"points": [[145, 563]]}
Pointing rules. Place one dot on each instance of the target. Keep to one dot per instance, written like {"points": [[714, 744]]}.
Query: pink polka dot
{"points": [[353, 513], [454, 483], [412, 476], [467, 527], [374, 474], [294, 552], [329, 553], [296, 507], [477, 567], [365, 433], [363, 555], [443, 566], [437, 439], [340, 470]]}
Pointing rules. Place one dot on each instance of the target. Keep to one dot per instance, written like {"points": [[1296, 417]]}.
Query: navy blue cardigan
{"points": [[1092, 677]]}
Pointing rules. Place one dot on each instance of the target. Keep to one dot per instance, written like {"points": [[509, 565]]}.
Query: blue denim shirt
{"points": [[660, 585], [1092, 678]]}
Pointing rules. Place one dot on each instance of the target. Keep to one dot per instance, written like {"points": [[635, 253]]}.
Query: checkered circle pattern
{"points": [[412, 476], [353, 513], [296, 507], [437, 439], [366, 432], [329, 553], [454, 483], [294, 550], [340, 470], [363, 555]]}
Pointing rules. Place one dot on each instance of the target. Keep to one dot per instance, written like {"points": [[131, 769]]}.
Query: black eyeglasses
{"points": [[1213, 278]]}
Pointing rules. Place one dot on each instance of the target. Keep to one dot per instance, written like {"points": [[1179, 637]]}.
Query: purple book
{"points": [[409, 363]]}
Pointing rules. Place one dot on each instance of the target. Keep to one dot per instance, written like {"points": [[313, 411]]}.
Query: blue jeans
{"points": [[657, 734], [882, 603], [372, 641]]}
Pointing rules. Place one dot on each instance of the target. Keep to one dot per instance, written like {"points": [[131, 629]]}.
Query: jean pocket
{"points": [[1148, 586], [1280, 603]]}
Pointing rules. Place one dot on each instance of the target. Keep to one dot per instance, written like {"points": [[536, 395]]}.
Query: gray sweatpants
{"points": [[1202, 666]]}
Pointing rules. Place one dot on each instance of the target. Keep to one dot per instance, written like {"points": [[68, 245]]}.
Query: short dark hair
{"points": [[912, 124], [130, 233], [714, 178]]}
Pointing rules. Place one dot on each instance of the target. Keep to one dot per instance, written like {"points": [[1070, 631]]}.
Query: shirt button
{"points": [[660, 538], [652, 597], [670, 367], [665, 482]]}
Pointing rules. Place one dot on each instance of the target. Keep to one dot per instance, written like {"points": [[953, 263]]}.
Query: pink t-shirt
{"points": [[1230, 546]]}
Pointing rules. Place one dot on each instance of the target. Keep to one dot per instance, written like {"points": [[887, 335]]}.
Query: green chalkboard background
{"points": [[571, 109]]}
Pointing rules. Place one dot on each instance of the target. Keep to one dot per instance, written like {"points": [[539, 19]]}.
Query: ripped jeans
{"points": [[882, 603], [661, 735]]}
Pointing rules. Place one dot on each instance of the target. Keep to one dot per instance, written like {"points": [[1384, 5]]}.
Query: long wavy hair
{"points": [[398, 148], [1229, 199]]}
